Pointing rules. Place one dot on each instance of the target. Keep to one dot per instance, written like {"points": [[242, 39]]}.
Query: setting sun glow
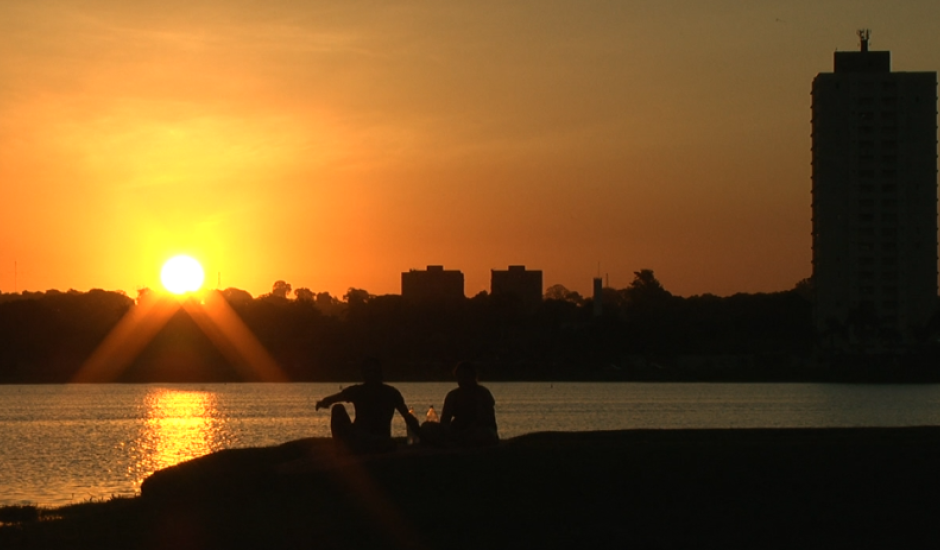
{"points": [[311, 143], [182, 274]]}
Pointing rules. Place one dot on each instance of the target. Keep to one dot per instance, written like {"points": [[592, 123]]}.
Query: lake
{"points": [[61, 444]]}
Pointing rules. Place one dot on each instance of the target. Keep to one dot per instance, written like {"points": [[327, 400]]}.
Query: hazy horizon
{"points": [[336, 145]]}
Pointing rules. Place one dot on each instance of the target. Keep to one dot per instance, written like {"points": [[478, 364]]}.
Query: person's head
{"points": [[466, 374], [371, 370]]}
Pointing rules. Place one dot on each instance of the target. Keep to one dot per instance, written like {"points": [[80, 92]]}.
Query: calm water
{"points": [[65, 444]]}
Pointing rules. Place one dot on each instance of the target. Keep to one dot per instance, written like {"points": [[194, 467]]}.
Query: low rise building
{"points": [[435, 285], [518, 282]]}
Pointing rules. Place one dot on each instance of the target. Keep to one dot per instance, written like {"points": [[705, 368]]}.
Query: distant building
{"points": [[433, 286], [874, 198], [525, 285]]}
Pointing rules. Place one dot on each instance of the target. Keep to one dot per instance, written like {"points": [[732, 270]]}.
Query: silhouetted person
{"points": [[469, 414], [375, 404]]}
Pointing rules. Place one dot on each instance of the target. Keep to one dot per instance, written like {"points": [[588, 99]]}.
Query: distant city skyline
{"points": [[337, 145]]}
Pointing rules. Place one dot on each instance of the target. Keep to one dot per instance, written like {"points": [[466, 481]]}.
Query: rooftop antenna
{"points": [[864, 35]]}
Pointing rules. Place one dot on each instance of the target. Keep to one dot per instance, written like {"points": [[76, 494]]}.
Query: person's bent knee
{"points": [[340, 424]]}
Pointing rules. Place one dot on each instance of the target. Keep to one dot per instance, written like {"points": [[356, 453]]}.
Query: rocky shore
{"points": [[792, 488]]}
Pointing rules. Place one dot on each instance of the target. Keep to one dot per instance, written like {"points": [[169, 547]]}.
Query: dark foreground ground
{"points": [[831, 488]]}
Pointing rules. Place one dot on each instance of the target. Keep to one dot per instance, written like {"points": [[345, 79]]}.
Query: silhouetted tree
{"points": [[143, 293], [356, 297], [559, 292], [45, 337], [281, 289], [645, 288], [328, 304], [304, 294], [236, 296]]}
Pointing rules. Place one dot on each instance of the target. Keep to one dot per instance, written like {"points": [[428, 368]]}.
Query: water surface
{"points": [[70, 443]]}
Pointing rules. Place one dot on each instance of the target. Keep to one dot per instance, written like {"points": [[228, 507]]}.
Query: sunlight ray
{"points": [[125, 342], [213, 316], [233, 339]]}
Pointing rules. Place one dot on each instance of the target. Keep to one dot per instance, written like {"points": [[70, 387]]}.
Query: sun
{"points": [[182, 274]]}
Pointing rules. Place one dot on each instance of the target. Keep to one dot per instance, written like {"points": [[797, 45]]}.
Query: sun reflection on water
{"points": [[179, 425]]}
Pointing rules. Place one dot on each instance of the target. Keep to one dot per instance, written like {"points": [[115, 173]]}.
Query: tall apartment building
{"points": [[874, 198]]}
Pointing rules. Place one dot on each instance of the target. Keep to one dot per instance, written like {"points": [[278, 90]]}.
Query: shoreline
{"points": [[739, 488], [782, 367]]}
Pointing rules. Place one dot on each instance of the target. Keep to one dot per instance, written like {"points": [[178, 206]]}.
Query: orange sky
{"points": [[337, 144]]}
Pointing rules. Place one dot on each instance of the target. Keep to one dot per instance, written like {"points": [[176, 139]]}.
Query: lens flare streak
{"points": [[214, 317]]}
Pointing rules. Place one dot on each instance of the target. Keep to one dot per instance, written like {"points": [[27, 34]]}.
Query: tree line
{"points": [[641, 332]]}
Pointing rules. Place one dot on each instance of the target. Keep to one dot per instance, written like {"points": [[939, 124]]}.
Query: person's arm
{"points": [[330, 399], [410, 419]]}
